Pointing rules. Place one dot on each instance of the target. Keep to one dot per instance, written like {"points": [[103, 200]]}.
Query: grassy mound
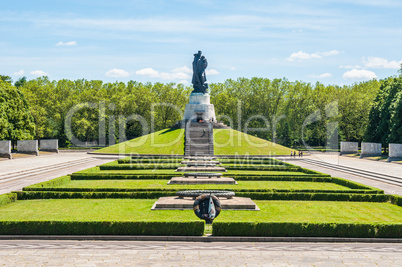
{"points": [[165, 142], [232, 142], [169, 141]]}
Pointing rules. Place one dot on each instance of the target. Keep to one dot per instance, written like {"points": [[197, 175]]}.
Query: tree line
{"points": [[289, 113]]}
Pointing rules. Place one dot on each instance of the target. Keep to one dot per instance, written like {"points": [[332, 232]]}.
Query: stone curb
{"points": [[201, 238]]}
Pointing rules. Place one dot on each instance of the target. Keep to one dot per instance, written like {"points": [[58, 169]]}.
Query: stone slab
{"points": [[51, 145], [349, 147], [199, 162], [200, 158], [395, 151], [201, 169], [5, 149], [28, 146], [203, 180], [176, 203], [370, 149]]}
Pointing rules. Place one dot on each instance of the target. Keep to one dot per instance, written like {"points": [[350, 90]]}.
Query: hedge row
{"points": [[246, 161], [278, 229], [195, 228], [275, 177], [263, 168], [24, 195], [7, 198], [49, 184], [316, 196], [139, 160], [138, 167], [352, 191], [112, 176]]}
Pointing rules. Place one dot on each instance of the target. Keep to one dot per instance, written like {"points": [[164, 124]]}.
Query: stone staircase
{"points": [[199, 139]]}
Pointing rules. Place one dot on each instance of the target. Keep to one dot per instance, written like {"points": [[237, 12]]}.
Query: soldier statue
{"points": [[199, 78]]}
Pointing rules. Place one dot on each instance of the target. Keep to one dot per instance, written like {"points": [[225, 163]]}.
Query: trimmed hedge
{"points": [[352, 191], [279, 229], [7, 198], [51, 183], [273, 177], [396, 200], [263, 168], [26, 195], [316, 196], [139, 167], [153, 194], [195, 228], [113, 176], [140, 160]]}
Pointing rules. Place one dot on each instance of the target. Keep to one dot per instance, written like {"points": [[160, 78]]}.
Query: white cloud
{"points": [[359, 75], [117, 73], [378, 62], [183, 69], [330, 53], [39, 73], [322, 76], [303, 55], [211, 72], [173, 76], [71, 43], [149, 72], [176, 74], [19, 73], [350, 67], [232, 68]]}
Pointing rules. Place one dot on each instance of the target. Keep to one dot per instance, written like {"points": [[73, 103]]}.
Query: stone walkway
{"points": [[38, 165], [369, 165], [125, 253]]}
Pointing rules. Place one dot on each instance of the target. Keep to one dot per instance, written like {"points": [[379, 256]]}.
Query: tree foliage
{"points": [[290, 113], [16, 121], [385, 118]]}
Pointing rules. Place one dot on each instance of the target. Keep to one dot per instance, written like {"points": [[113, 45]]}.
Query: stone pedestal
{"points": [[204, 180], [176, 203], [201, 169], [199, 107]]}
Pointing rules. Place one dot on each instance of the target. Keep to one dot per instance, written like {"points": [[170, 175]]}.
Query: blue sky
{"points": [[334, 42]]}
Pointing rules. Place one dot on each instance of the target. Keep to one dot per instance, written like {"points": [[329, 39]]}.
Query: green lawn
{"points": [[90, 210], [140, 210], [232, 142], [317, 212], [166, 141], [162, 184]]}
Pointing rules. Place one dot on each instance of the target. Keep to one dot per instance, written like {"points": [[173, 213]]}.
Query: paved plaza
{"points": [[136, 253], [20, 172], [381, 167]]}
